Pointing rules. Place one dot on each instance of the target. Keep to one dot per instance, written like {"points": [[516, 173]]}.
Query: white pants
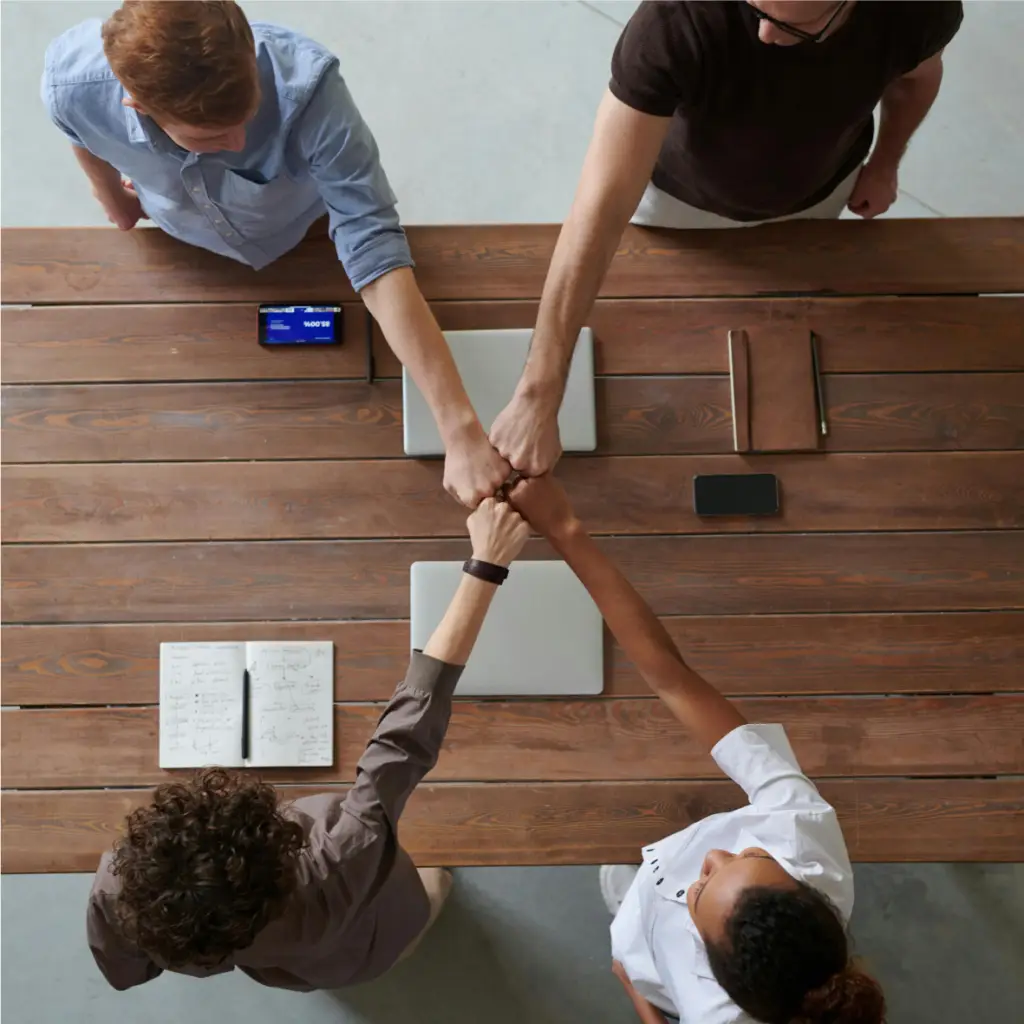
{"points": [[658, 209]]}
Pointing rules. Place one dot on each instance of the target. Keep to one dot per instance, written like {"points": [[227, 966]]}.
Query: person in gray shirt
{"points": [[238, 138], [215, 874]]}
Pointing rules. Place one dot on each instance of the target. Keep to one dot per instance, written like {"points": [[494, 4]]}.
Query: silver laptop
{"points": [[543, 635], [490, 363]]}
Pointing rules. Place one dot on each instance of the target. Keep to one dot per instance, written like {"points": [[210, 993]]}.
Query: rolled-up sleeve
{"points": [[345, 163], [760, 760]]}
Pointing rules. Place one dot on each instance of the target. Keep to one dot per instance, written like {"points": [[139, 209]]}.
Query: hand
{"points": [[647, 1012], [620, 972], [543, 503], [875, 190], [122, 206], [473, 470], [498, 532], [526, 433]]}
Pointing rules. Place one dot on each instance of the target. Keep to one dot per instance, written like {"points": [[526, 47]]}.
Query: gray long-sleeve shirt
{"points": [[359, 901]]}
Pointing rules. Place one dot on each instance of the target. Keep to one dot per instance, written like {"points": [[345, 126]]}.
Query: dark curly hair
{"points": [[204, 867], [785, 959]]}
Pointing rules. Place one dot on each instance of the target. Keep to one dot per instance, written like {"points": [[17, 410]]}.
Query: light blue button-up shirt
{"points": [[307, 152]]}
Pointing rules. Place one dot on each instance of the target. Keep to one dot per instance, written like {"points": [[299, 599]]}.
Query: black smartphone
{"points": [[736, 494], [300, 325]]}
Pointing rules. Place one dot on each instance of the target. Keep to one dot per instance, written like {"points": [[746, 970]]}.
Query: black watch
{"points": [[486, 571]]}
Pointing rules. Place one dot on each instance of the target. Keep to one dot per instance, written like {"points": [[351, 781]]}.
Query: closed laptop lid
{"points": [[490, 363], [543, 634]]}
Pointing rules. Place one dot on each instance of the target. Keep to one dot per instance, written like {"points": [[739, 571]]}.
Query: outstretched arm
{"points": [[618, 165], [696, 703]]}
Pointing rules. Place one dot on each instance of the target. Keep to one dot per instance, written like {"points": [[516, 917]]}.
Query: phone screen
{"points": [[740, 494], [300, 325]]}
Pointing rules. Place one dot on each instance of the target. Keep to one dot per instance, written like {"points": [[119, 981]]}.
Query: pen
{"points": [[245, 716], [819, 393]]}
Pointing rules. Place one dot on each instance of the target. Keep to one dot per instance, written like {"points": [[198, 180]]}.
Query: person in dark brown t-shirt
{"points": [[213, 875], [723, 114]]}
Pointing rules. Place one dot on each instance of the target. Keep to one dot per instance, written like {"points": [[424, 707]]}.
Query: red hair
{"points": [[192, 63]]}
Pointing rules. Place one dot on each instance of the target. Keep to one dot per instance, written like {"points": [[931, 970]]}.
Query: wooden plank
{"points": [[564, 740], [167, 342], [403, 498], [858, 335], [882, 257], [573, 823], [351, 419], [298, 420], [924, 411], [769, 654], [703, 575]]}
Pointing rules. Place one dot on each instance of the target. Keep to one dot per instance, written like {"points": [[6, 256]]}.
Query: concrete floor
{"points": [[483, 115]]}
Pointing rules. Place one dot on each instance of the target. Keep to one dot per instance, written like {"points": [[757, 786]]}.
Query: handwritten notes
{"points": [[201, 704], [292, 709], [291, 704]]}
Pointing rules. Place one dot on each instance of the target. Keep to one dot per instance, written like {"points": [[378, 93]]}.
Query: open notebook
{"points": [[246, 705]]}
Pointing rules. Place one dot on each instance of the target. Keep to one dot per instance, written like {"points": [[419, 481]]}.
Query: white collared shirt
{"points": [[653, 935]]}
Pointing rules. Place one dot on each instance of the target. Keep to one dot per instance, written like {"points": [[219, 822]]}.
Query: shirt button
{"points": [[680, 893], [659, 881]]}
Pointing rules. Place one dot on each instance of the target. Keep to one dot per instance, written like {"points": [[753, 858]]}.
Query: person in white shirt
{"points": [[741, 916]]}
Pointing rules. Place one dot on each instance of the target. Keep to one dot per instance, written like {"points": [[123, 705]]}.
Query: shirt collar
{"points": [[144, 131], [136, 130]]}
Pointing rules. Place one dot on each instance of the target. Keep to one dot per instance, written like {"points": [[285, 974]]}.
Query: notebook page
{"points": [[291, 709], [201, 704]]}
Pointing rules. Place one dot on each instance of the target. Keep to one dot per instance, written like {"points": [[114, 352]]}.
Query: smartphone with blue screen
{"points": [[300, 325]]}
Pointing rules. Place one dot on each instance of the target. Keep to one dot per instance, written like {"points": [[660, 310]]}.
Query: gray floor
{"points": [[529, 946], [483, 112]]}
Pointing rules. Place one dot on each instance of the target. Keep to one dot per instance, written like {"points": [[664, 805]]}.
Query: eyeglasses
{"points": [[793, 30]]}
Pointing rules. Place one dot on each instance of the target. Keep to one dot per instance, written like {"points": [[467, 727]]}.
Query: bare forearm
{"points": [[104, 178], [697, 704], [905, 104], [617, 167], [457, 632], [584, 250], [410, 329]]}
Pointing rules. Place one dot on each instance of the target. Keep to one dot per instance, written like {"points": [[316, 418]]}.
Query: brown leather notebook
{"points": [[783, 397]]}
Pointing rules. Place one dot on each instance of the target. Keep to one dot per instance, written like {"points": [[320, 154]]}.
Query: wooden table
{"points": [[167, 479]]}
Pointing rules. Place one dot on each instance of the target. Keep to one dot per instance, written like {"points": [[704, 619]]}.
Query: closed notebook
{"points": [[247, 705]]}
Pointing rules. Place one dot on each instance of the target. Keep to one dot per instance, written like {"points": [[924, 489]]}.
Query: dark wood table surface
{"points": [[165, 478]]}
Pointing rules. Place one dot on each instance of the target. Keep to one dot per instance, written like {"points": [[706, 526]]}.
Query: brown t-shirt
{"points": [[759, 130], [359, 902]]}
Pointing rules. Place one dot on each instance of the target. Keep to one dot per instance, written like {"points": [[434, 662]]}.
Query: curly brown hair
{"points": [[205, 867]]}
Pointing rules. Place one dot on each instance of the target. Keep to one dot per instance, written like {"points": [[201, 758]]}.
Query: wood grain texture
{"points": [[352, 419], [698, 575], [403, 498], [883, 257], [563, 740], [70, 344], [168, 343], [759, 654], [305, 419], [573, 823], [783, 397]]}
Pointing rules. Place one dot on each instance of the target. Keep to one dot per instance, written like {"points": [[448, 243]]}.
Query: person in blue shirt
{"points": [[237, 138]]}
